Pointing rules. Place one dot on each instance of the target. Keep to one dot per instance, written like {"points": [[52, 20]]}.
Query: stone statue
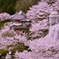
{"points": [[54, 18], [54, 25], [8, 56]]}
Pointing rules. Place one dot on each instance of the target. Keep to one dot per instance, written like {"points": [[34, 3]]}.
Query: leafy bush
{"points": [[20, 47], [3, 22], [1, 25], [6, 20], [45, 33], [7, 34], [3, 52]]}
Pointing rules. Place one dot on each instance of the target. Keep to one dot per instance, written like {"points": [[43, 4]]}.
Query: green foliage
{"points": [[36, 1], [45, 33], [3, 22], [7, 6], [20, 47], [1, 25], [25, 4], [51, 2], [7, 34], [26, 30], [11, 9], [3, 52], [6, 20]]}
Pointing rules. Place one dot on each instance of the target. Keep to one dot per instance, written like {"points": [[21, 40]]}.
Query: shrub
{"points": [[1, 25], [7, 34], [20, 47], [3, 52], [45, 33], [3, 22]]}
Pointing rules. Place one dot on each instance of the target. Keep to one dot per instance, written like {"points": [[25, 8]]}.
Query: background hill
{"points": [[12, 6]]}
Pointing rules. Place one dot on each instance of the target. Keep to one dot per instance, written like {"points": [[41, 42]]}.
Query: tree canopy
{"points": [[12, 6], [25, 4], [7, 6]]}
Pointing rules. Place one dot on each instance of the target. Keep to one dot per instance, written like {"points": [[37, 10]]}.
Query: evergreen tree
{"points": [[24, 5], [7, 6], [11, 6]]}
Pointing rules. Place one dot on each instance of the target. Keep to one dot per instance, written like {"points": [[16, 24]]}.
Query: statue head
{"points": [[53, 18]]}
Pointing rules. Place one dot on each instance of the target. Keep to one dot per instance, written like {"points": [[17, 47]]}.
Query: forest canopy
{"points": [[12, 6]]}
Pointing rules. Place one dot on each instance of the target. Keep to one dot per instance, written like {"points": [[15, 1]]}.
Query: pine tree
{"points": [[24, 5], [7, 6]]}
